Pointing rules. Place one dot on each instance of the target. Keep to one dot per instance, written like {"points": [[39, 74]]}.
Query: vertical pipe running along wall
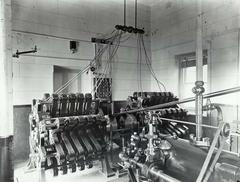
{"points": [[199, 62], [6, 108], [199, 71]]}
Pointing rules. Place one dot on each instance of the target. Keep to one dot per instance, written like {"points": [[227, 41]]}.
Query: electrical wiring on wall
{"points": [[114, 39], [92, 63], [112, 48], [112, 52]]}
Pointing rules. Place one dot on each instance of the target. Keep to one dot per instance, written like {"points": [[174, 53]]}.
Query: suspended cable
{"points": [[135, 13], [107, 66], [99, 54], [114, 39], [124, 12], [150, 67]]}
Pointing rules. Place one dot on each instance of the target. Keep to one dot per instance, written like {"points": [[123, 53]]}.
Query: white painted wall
{"points": [[173, 27], [6, 90], [62, 21]]}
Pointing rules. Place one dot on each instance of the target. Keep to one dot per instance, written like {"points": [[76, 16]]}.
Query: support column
{"points": [[198, 90], [6, 94]]}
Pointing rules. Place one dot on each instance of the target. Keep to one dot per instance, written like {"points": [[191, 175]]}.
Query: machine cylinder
{"points": [[186, 161]]}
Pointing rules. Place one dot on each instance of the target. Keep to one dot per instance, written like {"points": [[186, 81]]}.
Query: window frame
{"points": [[191, 63]]}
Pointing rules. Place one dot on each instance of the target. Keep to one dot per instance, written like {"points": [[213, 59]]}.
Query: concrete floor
{"points": [[88, 175]]}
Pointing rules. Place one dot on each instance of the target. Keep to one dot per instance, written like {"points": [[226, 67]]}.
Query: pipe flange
{"points": [[225, 130], [198, 89], [199, 83]]}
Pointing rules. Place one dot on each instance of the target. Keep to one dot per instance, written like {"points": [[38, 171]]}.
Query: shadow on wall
{"points": [[21, 133]]}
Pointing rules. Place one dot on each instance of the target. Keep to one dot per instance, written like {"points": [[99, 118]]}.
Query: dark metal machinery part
{"points": [[62, 157], [79, 104], [185, 161], [71, 133], [67, 147], [63, 105], [169, 159], [94, 142], [71, 105], [87, 104], [78, 140], [191, 99], [123, 121], [83, 138], [78, 148], [131, 121]]}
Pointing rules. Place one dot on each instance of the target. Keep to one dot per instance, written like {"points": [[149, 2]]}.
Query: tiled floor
{"points": [[88, 175]]}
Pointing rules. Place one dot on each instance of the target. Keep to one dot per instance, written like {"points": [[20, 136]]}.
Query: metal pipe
{"points": [[56, 57], [76, 117], [222, 92], [49, 35], [198, 90], [190, 99], [124, 12], [199, 111], [136, 14], [148, 170], [163, 176], [157, 173], [25, 52], [188, 123], [238, 82], [199, 56]]}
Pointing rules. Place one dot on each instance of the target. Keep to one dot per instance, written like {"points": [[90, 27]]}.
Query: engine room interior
{"points": [[120, 90]]}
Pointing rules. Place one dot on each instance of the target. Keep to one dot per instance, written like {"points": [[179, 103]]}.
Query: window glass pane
{"points": [[190, 74], [205, 69]]}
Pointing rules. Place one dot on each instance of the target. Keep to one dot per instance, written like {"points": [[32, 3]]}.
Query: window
{"points": [[187, 75]]}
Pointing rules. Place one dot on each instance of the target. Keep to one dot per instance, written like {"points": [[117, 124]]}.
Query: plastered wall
{"points": [[173, 27], [51, 24]]}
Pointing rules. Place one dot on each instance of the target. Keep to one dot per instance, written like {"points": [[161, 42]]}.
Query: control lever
{"points": [[79, 105], [71, 104], [63, 105]]}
